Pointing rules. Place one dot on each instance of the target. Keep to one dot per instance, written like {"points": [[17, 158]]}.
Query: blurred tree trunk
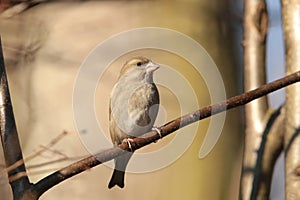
{"points": [[256, 115], [268, 131], [291, 25]]}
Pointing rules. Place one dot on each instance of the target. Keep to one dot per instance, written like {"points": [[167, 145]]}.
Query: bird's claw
{"points": [[157, 131], [128, 141]]}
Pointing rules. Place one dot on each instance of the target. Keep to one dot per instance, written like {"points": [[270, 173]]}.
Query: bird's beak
{"points": [[151, 66]]}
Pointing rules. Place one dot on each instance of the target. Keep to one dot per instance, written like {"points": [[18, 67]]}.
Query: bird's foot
{"points": [[128, 141], [157, 131]]}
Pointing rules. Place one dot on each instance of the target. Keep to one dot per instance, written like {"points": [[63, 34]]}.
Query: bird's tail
{"points": [[117, 179], [119, 172]]}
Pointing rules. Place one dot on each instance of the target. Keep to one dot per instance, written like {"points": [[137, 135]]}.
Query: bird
{"points": [[133, 108]]}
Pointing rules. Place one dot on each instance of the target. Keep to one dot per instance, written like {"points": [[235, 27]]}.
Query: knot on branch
{"points": [[261, 21]]}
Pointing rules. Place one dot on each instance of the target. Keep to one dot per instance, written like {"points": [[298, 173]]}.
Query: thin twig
{"points": [[55, 161], [57, 177], [36, 153]]}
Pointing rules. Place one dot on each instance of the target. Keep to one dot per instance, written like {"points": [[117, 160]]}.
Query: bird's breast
{"points": [[134, 107]]}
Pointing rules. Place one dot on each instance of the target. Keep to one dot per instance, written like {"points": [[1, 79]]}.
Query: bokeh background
{"points": [[44, 47]]}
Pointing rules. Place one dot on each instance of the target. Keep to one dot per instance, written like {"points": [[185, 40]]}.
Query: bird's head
{"points": [[139, 68]]}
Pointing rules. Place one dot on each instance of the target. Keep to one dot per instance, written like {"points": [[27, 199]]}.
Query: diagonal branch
{"points": [[57, 177]]}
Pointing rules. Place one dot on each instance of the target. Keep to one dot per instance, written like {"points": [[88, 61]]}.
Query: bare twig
{"points": [[59, 160], [36, 153], [291, 25], [53, 179], [42, 149]]}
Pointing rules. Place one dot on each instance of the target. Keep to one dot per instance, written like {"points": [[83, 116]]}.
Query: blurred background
{"points": [[44, 44]]}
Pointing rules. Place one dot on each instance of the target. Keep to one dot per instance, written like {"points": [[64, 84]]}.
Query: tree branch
{"points": [[9, 137], [268, 151], [36, 190]]}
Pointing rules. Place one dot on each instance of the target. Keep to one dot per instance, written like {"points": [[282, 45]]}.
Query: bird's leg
{"points": [[128, 141], [157, 131]]}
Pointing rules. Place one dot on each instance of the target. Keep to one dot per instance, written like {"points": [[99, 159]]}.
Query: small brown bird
{"points": [[134, 103]]}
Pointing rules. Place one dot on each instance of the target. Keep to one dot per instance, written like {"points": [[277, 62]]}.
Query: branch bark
{"points": [[18, 178], [36, 190], [291, 25]]}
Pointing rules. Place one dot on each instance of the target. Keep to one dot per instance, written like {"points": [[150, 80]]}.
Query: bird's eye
{"points": [[139, 64]]}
